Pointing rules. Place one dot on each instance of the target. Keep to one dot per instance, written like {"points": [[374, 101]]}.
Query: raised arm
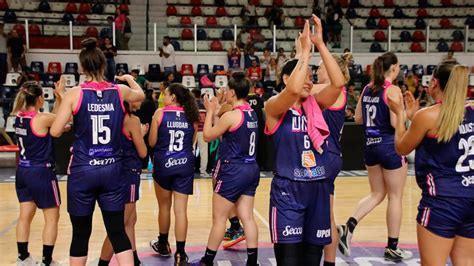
{"points": [[134, 93], [65, 111], [280, 103], [327, 96], [407, 141], [210, 131]]}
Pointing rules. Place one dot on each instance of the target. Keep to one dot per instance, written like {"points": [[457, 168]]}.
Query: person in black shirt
{"points": [[147, 109], [16, 49], [257, 104], [110, 51]]}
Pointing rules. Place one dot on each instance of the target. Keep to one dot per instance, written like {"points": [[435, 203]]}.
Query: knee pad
{"points": [[81, 232], [114, 224]]}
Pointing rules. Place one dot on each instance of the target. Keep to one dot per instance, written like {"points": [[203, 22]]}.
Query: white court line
{"points": [[224, 263], [261, 218]]}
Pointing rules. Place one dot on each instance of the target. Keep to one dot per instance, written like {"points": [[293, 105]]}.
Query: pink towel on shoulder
{"points": [[318, 130]]}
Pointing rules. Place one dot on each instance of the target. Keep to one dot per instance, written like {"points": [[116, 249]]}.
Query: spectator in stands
{"points": [[254, 72], [161, 96], [411, 81], [265, 60], [107, 31], [16, 50], [127, 32], [167, 55], [243, 39], [281, 57], [120, 20], [270, 75], [421, 96], [450, 56], [350, 112], [110, 51], [3, 55], [276, 16], [141, 80], [403, 88], [249, 13], [352, 96], [3, 132], [317, 8], [233, 58], [249, 57], [333, 20], [170, 78]]}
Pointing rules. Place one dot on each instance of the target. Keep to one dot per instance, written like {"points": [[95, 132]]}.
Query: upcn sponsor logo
{"points": [[323, 233], [175, 162], [292, 231], [96, 162]]}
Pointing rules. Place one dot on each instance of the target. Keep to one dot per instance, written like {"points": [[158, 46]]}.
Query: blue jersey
{"points": [[447, 169], [174, 148], [335, 118], [239, 143], [131, 160], [98, 123], [36, 150], [295, 156], [376, 117]]}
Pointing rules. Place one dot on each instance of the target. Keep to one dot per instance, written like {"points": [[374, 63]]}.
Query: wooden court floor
{"points": [[348, 192]]}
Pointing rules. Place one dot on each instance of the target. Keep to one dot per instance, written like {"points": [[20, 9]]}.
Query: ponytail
{"points": [[186, 99], [380, 66], [343, 62], [452, 109], [27, 96]]}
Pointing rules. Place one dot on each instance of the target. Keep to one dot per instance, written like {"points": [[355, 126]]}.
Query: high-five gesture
{"points": [[317, 37], [305, 38]]}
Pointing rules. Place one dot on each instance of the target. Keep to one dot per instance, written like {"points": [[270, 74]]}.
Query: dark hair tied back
{"points": [[381, 65], [89, 43]]}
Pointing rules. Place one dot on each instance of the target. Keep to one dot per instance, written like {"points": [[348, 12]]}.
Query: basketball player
{"points": [[172, 133], [134, 150], [443, 138], [236, 172], [386, 169], [35, 182], [334, 117], [300, 221], [95, 171]]}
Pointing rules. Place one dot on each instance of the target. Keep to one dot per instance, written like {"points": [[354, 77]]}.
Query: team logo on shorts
{"points": [[308, 159]]}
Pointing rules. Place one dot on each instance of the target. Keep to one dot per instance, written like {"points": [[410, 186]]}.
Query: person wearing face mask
{"points": [[167, 55]]}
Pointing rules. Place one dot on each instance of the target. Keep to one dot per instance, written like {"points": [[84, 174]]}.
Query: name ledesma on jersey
{"points": [[100, 107]]}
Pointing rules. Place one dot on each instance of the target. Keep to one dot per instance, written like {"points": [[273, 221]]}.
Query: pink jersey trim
{"points": [[268, 132], [432, 136], [173, 108], [243, 107], [160, 119], [79, 103], [386, 85], [274, 225], [242, 118], [36, 133], [55, 192], [124, 131], [343, 105], [104, 85]]}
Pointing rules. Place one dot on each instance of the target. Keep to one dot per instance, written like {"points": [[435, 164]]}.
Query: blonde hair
{"points": [[453, 108], [27, 96], [343, 62]]}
